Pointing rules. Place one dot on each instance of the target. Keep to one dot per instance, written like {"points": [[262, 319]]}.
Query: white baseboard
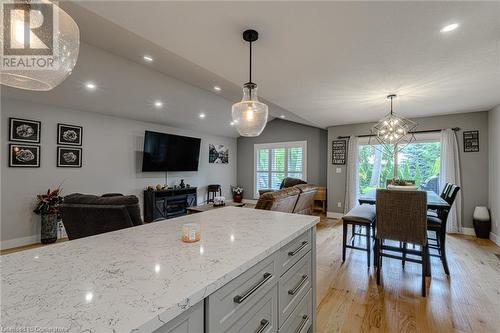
{"points": [[468, 231], [334, 215], [494, 238], [16, 242], [249, 201]]}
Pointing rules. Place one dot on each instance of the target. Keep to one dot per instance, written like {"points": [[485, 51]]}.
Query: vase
{"points": [[49, 228], [237, 197], [482, 222]]}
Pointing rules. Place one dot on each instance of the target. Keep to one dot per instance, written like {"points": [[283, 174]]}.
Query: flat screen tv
{"points": [[168, 152]]}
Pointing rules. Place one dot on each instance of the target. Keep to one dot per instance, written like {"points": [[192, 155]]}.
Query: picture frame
{"points": [[69, 135], [24, 130], [69, 157], [339, 152], [218, 154], [471, 141], [24, 156]]}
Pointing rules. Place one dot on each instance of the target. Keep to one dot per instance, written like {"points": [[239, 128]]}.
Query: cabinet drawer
{"points": [[293, 285], [262, 317], [293, 251], [228, 304], [190, 321], [301, 318]]}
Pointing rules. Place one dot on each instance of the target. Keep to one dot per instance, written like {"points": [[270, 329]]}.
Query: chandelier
{"points": [[393, 132], [41, 45], [249, 115]]}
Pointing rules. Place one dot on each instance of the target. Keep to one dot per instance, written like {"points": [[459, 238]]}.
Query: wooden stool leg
{"points": [[368, 245], [379, 260], [404, 254], [425, 258], [344, 239], [442, 250]]}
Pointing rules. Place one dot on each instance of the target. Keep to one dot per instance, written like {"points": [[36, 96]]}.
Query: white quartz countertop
{"points": [[137, 279]]}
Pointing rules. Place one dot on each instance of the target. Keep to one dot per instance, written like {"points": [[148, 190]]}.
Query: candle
{"points": [[191, 232]]}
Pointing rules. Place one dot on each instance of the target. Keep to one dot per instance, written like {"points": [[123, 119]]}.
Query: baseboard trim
{"points": [[494, 238], [334, 215], [17, 242], [249, 201], [468, 231]]}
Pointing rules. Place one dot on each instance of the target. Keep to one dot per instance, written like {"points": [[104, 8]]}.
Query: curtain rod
{"points": [[414, 132]]}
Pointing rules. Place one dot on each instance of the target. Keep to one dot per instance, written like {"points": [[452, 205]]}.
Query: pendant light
{"points": [[250, 115], [393, 131], [65, 37]]}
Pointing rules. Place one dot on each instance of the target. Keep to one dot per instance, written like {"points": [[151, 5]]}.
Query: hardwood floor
{"points": [[350, 300]]}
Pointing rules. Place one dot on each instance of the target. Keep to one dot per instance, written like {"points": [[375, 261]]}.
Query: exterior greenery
{"points": [[419, 161]]}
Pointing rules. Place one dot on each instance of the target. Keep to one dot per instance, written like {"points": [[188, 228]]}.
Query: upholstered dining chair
{"points": [[401, 217]]}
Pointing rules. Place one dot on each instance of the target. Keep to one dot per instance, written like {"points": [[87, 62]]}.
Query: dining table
{"points": [[434, 201]]}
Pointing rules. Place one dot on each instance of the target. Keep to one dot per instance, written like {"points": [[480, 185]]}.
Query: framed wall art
{"points": [[24, 130], [69, 135]]}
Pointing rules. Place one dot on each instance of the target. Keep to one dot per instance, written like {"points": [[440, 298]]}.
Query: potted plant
{"points": [[47, 206], [237, 193]]}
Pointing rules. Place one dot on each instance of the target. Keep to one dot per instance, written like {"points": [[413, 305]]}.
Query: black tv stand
{"points": [[168, 203]]}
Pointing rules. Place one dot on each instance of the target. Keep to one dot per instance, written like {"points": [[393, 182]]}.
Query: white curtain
{"points": [[450, 173], [352, 183]]}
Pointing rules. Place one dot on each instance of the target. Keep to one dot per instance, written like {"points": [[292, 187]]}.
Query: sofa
{"points": [[285, 183], [297, 199], [86, 215]]}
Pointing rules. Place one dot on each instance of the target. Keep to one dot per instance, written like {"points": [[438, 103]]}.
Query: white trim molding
{"points": [[467, 231], [334, 215], [494, 238], [22, 241]]}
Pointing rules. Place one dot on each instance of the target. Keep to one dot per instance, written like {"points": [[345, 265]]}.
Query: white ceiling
{"points": [[319, 63]]}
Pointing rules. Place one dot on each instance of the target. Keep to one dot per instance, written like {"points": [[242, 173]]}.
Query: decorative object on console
{"points": [[24, 130], [482, 222], [393, 132], [55, 50], [69, 135], [47, 206], [25, 156], [218, 154], [471, 141], [237, 192], [181, 184], [69, 157], [219, 201], [250, 115]]}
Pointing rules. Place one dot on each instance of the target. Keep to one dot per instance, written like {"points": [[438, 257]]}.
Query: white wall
{"points": [[494, 172], [112, 161]]}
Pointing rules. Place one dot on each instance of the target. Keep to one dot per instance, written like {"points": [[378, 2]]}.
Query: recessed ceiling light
{"points": [[147, 58], [449, 27], [90, 86], [158, 104], [217, 88], [282, 116], [201, 115]]}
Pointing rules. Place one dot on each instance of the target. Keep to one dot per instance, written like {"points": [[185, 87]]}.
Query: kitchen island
{"points": [[252, 271]]}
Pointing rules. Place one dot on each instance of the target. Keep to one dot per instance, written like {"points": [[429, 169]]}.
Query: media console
{"points": [[168, 203]]}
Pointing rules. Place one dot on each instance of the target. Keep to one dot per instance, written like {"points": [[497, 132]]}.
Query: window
{"points": [[419, 161], [275, 161]]}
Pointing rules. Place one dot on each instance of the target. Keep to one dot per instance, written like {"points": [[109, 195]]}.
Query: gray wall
{"points": [[494, 169], [474, 166], [279, 130], [112, 161]]}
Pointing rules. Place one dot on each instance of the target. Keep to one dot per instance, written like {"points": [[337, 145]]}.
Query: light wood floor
{"points": [[350, 301]]}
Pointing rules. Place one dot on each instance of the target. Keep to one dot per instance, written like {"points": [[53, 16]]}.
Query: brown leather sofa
{"points": [[287, 182], [296, 199]]}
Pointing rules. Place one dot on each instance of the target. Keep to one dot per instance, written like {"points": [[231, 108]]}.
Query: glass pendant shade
{"points": [[66, 43], [249, 115]]}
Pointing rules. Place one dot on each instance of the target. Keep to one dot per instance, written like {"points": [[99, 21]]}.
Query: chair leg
{"points": [[368, 245], [442, 251], [344, 238], [425, 258], [403, 261], [379, 260]]}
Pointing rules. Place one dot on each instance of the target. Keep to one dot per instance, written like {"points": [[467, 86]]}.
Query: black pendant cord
{"points": [[250, 80]]}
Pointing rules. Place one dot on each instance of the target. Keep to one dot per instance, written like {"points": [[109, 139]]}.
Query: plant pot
{"points": [[49, 228], [237, 197]]}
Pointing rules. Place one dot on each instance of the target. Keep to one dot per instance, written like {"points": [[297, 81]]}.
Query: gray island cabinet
{"points": [[252, 271]]}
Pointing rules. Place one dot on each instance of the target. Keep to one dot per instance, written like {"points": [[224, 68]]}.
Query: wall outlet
{"points": [[338, 170], [339, 204]]}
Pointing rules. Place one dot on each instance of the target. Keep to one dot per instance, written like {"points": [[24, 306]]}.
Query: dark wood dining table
{"points": [[434, 201]]}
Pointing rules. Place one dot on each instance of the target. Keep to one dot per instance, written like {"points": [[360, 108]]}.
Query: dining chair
{"points": [[401, 217], [437, 223]]}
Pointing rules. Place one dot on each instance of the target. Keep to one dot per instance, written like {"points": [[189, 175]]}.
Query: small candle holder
{"points": [[191, 232]]}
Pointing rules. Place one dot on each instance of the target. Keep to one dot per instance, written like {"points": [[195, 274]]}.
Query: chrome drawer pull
{"points": [[239, 299], [305, 319], [264, 323], [297, 287], [297, 250]]}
